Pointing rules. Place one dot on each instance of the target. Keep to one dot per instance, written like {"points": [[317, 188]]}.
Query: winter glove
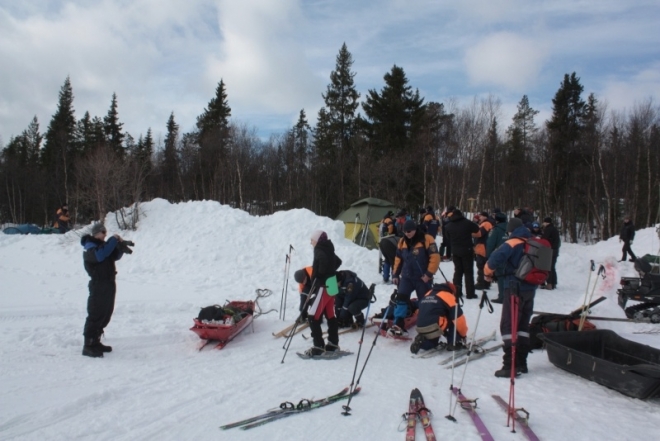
{"points": [[395, 280], [344, 315]]}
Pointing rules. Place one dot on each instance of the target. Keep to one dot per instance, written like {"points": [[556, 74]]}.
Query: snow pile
{"points": [[155, 385]]}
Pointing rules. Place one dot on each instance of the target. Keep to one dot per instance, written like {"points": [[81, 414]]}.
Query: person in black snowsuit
{"points": [[321, 303], [99, 259], [353, 297], [459, 232], [551, 234], [627, 236]]}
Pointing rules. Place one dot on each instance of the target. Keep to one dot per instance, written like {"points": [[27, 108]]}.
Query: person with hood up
{"points": [[506, 259], [440, 315], [417, 260], [320, 303], [460, 232], [99, 259], [627, 236]]}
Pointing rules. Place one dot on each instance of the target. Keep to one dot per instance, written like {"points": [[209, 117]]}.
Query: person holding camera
{"points": [[99, 257]]}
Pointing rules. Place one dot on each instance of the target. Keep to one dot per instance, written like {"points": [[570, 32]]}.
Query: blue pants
{"points": [[386, 270], [406, 286]]}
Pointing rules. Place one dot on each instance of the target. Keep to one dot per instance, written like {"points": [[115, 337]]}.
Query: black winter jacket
{"points": [[551, 234], [627, 232], [325, 262], [459, 231]]}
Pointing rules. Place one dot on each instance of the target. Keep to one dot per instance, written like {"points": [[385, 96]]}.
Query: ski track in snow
{"points": [[155, 385]]}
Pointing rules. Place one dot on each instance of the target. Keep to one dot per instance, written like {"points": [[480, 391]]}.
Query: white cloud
{"points": [[639, 87], [261, 59], [506, 60]]}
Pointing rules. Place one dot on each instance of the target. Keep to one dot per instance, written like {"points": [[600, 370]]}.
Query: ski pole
{"points": [[586, 291], [286, 278], [364, 327], [284, 283], [289, 338], [585, 311], [380, 329], [484, 301], [453, 358], [515, 299]]}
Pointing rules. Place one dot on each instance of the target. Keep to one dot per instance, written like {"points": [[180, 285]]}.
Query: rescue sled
{"points": [[221, 328], [608, 359]]}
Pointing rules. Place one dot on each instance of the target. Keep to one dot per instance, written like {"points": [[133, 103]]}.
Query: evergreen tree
{"points": [[213, 139], [58, 154], [393, 114], [169, 166], [564, 130], [341, 102], [113, 128]]}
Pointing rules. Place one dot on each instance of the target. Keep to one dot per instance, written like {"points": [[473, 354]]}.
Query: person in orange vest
{"points": [[417, 260], [62, 219], [440, 315], [304, 279]]}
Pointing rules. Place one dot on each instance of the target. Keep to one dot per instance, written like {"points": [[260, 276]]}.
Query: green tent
{"points": [[362, 219]]}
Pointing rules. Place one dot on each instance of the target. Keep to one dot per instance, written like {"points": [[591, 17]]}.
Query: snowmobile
{"points": [[644, 289]]}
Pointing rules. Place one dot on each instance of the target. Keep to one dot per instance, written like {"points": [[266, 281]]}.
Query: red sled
{"points": [[223, 333]]}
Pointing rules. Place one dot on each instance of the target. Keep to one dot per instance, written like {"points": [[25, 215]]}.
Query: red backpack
{"points": [[536, 262]]}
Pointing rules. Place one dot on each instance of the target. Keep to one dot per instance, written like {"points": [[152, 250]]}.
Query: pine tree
{"points": [[113, 128], [393, 114], [58, 154], [339, 121], [564, 130], [169, 166], [213, 138]]}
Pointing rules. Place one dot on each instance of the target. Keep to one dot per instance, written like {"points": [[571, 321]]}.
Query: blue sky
{"points": [[275, 56]]}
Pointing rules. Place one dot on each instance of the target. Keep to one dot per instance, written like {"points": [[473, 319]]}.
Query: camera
{"points": [[124, 246]]}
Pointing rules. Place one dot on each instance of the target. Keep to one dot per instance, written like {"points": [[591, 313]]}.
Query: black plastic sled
{"points": [[606, 358]]}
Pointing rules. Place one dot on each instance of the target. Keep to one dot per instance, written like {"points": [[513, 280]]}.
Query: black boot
{"points": [[89, 350], [521, 359], [359, 320], [505, 372], [333, 335], [101, 346]]}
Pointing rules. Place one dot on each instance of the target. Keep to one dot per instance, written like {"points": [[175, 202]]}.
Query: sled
{"points": [[604, 357], [221, 332]]}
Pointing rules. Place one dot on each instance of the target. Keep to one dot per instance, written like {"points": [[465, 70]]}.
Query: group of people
{"points": [[494, 243]]}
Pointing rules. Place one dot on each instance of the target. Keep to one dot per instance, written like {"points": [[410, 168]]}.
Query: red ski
{"points": [[223, 333], [424, 415]]}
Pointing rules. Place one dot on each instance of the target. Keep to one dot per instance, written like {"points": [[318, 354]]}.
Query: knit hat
{"points": [[535, 225], [98, 228], [451, 208], [318, 236], [300, 275], [514, 223], [410, 225], [500, 217], [484, 213], [547, 220]]}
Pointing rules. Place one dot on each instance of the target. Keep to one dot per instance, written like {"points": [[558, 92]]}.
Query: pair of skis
{"points": [[477, 347], [287, 409], [418, 411], [470, 406], [286, 332]]}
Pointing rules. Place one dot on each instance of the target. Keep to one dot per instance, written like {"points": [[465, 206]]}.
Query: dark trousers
{"points": [[100, 305], [552, 277], [464, 267], [626, 249], [525, 310], [481, 263]]}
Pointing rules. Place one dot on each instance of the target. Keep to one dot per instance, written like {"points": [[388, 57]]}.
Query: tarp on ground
{"points": [[362, 219]]}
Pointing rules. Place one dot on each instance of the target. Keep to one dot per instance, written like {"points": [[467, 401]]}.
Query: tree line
{"points": [[586, 166]]}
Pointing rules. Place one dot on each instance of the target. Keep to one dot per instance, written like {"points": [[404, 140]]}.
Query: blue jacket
{"points": [[99, 257], [506, 259]]}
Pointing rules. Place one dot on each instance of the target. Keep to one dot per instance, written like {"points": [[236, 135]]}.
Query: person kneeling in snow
{"points": [[99, 258], [440, 314], [353, 297]]}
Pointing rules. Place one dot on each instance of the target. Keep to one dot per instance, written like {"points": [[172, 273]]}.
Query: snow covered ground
{"points": [[155, 385]]}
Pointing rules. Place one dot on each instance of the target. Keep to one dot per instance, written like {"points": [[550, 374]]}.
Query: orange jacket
{"points": [[480, 241]]}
